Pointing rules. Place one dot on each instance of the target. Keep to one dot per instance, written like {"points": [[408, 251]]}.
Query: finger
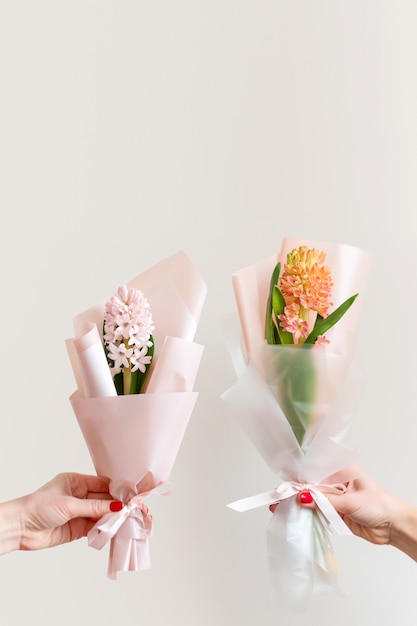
{"points": [[99, 496], [81, 485], [342, 503], [92, 509], [79, 528], [306, 499]]}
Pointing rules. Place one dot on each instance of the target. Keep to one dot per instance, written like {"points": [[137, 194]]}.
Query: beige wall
{"points": [[130, 130]]}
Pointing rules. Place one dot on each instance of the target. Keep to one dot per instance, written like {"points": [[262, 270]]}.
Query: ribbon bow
{"points": [[291, 488], [129, 530], [109, 524]]}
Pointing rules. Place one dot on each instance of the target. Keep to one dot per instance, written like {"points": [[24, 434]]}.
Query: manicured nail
{"points": [[305, 497], [116, 506]]}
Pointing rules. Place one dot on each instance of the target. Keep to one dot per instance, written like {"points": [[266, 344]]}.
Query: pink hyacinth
{"points": [[128, 327], [291, 322]]}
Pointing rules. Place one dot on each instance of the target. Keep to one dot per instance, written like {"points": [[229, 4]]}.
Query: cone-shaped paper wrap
{"points": [[296, 404], [134, 439]]}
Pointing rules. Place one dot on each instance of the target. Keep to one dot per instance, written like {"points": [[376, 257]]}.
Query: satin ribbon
{"points": [[291, 488], [108, 525]]}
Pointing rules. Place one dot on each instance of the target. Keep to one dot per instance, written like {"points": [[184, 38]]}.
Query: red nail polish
{"points": [[116, 506], [305, 497]]}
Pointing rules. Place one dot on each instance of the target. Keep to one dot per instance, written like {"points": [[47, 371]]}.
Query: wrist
{"points": [[404, 529], [10, 526]]}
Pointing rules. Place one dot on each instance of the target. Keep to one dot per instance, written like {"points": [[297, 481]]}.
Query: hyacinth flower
{"points": [[128, 341], [297, 314], [301, 293]]}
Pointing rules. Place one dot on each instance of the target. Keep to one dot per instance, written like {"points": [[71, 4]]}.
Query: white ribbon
{"points": [[291, 488]]}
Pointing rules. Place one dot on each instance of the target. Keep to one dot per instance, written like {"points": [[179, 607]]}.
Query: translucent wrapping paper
{"points": [[133, 440], [296, 403]]}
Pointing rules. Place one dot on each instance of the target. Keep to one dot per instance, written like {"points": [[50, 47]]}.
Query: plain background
{"points": [[131, 130]]}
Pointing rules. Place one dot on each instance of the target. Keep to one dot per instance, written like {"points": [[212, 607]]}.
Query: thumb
{"points": [[342, 503], [93, 509]]}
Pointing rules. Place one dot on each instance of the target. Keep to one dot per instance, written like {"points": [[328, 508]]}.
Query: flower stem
{"points": [[127, 377]]}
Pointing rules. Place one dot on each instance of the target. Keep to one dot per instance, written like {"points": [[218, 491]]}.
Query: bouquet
{"points": [[296, 395], [135, 364]]}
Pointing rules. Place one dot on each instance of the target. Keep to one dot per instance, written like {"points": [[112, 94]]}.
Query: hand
{"points": [[63, 510], [373, 514], [367, 509]]}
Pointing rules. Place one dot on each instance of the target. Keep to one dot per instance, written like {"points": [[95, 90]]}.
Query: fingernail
{"points": [[116, 506], [305, 497]]}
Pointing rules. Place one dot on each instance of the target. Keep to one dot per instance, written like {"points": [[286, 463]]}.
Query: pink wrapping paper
{"points": [[300, 554], [134, 439]]}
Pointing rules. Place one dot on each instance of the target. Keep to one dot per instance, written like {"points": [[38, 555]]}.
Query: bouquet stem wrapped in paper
{"points": [[134, 439], [296, 397]]}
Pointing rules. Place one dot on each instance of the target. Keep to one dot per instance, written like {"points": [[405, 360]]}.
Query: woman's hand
{"points": [[63, 510], [372, 513]]}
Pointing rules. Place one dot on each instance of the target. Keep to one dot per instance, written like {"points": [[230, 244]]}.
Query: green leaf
{"points": [[278, 306], [322, 325], [271, 333], [118, 383], [135, 381]]}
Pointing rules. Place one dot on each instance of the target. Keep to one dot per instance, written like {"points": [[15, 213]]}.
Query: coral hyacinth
{"points": [[299, 300], [307, 281]]}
